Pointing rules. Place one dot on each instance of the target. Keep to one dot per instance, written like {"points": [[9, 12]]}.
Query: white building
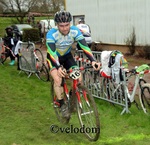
{"points": [[113, 21]]}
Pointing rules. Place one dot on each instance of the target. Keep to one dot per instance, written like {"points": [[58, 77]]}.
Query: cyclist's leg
{"points": [[59, 91], [12, 58], [57, 84]]}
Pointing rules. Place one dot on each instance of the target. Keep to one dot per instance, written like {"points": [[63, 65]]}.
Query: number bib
{"points": [[75, 74]]}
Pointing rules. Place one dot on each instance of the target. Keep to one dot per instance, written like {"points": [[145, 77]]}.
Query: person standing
{"points": [[86, 31], [39, 26], [10, 42]]}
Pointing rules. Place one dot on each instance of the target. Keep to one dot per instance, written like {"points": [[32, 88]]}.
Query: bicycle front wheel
{"points": [[145, 98], [88, 114]]}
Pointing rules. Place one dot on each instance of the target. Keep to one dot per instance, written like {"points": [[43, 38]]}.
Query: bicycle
{"points": [[144, 94], [4, 51], [85, 105], [33, 62], [120, 93]]}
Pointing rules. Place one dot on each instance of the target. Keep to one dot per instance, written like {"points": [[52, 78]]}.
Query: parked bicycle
{"points": [[84, 104], [31, 60], [4, 52], [120, 93]]}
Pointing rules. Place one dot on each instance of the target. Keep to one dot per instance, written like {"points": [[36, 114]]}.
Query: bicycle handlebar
{"points": [[134, 71], [80, 68]]}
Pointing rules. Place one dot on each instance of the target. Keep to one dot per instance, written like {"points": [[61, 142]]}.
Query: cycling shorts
{"points": [[67, 61]]}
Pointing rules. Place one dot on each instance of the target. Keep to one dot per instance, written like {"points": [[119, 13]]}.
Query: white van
{"points": [[47, 25]]}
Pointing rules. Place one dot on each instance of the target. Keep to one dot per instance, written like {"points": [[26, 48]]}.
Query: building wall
{"points": [[113, 21]]}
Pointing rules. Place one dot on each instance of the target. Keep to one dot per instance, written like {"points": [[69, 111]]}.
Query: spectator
{"points": [[33, 20], [39, 26], [86, 31], [10, 42], [29, 20]]}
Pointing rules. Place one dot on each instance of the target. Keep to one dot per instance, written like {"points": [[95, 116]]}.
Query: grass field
{"points": [[26, 116]]}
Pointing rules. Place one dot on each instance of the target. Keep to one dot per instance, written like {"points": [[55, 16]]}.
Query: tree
{"points": [[20, 8]]}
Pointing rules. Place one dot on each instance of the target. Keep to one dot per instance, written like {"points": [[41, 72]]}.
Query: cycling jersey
{"points": [[60, 45], [85, 29]]}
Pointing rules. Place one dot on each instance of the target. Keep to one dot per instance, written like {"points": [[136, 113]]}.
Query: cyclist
{"points": [[59, 41], [86, 31]]}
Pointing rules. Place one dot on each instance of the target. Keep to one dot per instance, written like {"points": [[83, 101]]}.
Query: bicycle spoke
{"points": [[88, 115]]}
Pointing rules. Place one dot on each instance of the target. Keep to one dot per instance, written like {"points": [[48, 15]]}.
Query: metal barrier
{"points": [[99, 88], [27, 60]]}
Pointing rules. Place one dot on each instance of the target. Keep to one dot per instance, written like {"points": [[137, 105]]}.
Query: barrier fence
{"points": [[98, 87], [27, 60]]}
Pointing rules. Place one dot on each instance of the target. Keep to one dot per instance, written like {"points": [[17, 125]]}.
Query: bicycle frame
{"points": [[74, 87], [136, 83]]}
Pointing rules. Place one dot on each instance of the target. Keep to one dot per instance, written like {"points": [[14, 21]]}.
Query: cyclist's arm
{"points": [[86, 49], [52, 57]]}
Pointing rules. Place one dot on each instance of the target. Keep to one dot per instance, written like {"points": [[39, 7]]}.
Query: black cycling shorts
{"points": [[67, 61]]}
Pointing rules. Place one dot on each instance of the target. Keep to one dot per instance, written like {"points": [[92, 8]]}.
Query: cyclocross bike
{"points": [[34, 64], [121, 93], [85, 105]]}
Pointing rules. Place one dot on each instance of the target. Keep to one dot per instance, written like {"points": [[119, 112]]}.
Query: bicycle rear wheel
{"points": [[88, 114], [145, 98], [39, 58], [43, 73]]}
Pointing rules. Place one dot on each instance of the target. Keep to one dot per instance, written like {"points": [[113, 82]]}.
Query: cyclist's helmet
{"points": [[62, 17]]}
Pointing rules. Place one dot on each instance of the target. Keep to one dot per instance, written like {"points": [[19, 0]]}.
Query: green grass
{"points": [[26, 115]]}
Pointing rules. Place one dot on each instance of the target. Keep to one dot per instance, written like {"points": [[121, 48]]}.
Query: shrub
{"points": [[31, 34], [146, 50], [131, 41]]}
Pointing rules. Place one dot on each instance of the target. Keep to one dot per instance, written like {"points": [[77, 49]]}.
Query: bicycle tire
{"points": [[145, 98], [3, 57], [24, 65], [43, 73], [56, 105], [39, 58], [87, 79], [87, 114]]}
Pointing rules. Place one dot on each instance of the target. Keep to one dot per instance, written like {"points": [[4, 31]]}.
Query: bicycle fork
{"points": [[78, 94]]}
